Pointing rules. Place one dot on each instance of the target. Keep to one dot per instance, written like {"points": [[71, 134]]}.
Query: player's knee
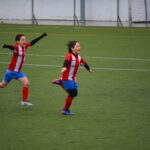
{"points": [[26, 84], [73, 93], [2, 85]]}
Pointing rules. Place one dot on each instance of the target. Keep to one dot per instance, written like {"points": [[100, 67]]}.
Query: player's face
{"points": [[22, 41], [76, 49]]}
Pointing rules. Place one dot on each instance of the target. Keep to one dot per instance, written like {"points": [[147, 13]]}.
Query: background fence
{"points": [[76, 12]]}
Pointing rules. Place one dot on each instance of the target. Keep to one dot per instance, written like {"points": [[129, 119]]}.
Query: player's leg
{"points": [[3, 84], [60, 83], [57, 82], [25, 91], [72, 94], [6, 79], [25, 88], [72, 89]]}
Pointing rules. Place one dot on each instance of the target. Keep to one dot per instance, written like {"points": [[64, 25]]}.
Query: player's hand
{"points": [[91, 71], [63, 69], [3, 46], [44, 34]]}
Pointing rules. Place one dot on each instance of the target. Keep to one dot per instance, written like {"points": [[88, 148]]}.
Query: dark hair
{"points": [[71, 44], [18, 37]]}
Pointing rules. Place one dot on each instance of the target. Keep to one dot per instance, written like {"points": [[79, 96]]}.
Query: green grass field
{"points": [[112, 110]]}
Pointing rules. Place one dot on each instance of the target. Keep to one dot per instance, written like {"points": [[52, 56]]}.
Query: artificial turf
{"points": [[112, 110]]}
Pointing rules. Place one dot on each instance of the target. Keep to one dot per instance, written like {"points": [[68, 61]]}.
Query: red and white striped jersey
{"points": [[72, 67], [18, 58]]}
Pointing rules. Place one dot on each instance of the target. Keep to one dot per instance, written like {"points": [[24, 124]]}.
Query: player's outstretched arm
{"points": [[64, 66], [88, 67], [8, 46], [38, 38]]}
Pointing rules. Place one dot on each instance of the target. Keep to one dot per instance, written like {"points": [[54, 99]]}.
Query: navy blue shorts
{"points": [[9, 75], [70, 85]]}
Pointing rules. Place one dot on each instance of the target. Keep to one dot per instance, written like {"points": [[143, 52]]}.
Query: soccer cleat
{"points": [[26, 103], [57, 82], [67, 112]]}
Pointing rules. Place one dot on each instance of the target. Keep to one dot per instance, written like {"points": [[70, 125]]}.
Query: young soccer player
{"points": [[14, 69], [69, 71]]}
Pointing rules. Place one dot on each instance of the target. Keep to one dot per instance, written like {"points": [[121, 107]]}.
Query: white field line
{"points": [[94, 68], [90, 57], [54, 34]]}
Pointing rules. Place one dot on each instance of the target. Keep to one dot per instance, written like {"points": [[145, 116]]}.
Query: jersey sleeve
{"points": [[38, 38], [67, 60], [28, 44], [11, 47], [68, 57], [83, 62], [15, 46]]}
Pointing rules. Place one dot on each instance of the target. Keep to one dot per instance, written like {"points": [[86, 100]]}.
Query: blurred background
{"points": [[132, 13]]}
